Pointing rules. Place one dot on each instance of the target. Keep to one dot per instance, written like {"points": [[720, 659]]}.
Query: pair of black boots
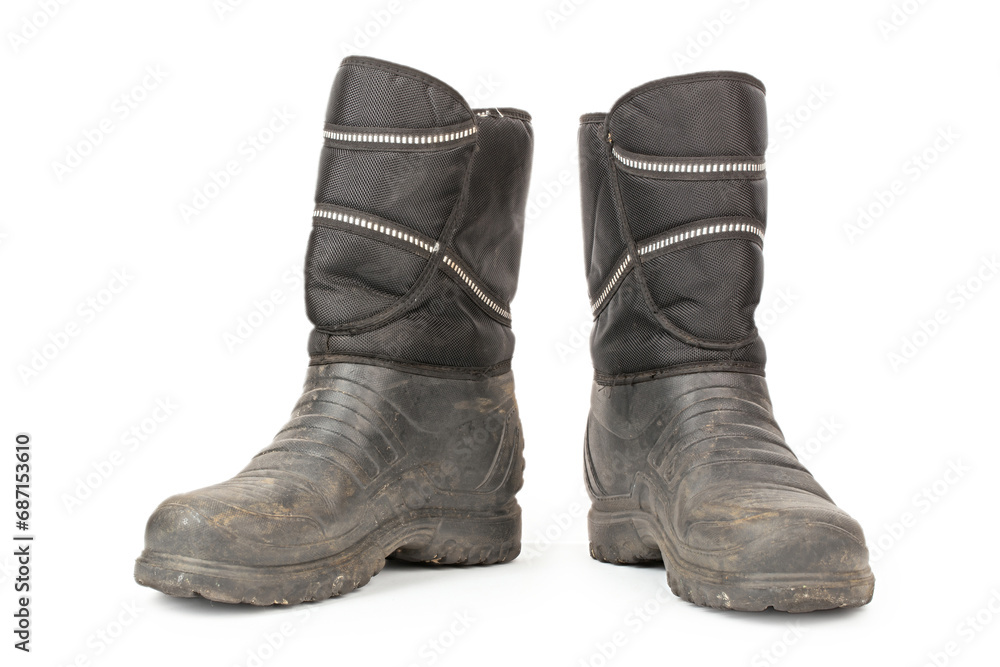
{"points": [[406, 442]]}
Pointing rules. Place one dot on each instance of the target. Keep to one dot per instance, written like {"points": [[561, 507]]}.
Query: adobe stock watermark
{"points": [[966, 631], [778, 649], [33, 23], [540, 541], [86, 312], [271, 642], [956, 299], [218, 180], [560, 12], [481, 91], [8, 569], [77, 152], [577, 340], [913, 169], [774, 308], [708, 33], [921, 504], [828, 430], [550, 189], [130, 441], [899, 14], [634, 622], [263, 309], [106, 635], [432, 650], [789, 123], [223, 8], [373, 27]]}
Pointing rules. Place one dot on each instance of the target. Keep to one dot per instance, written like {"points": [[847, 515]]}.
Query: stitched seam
{"points": [[664, 321], [686, 79], [409, 73], [626, 230], [722, 365], [406, 303], [472, 371]]}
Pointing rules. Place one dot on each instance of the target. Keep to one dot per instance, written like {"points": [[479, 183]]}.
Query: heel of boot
{"points": [[620, 538], [467, 541]]}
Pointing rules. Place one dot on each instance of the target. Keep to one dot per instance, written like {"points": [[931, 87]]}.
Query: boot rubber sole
{"points": [[446, 538], [633, 536]]}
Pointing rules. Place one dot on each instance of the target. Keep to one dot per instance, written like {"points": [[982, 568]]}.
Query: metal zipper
{"points": [[398, 233], [396, 137], [364, 223], [611, 283], [724, 228], [475, 288], [688, 167]]}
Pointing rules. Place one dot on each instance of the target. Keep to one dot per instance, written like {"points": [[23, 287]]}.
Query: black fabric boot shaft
{"points": [[431, 195], [406, 442], [684, 461], [668, 173]]}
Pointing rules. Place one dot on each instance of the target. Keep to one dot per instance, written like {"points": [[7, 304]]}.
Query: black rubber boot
{"points": [[406, 442], [684, 461]]}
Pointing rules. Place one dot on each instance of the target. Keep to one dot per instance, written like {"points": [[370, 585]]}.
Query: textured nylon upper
{"points": [[381, 294], [690, 305]]}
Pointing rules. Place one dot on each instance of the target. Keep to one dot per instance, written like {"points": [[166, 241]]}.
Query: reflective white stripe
{"points": [[611, 283], [475, 288], [358, 221], [688, 167], [396, 138], [722, 228]]}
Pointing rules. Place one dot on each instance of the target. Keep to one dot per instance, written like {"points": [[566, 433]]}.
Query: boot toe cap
{"points": [[807, 546], [179, 529], [802, 540], [201, 526]]}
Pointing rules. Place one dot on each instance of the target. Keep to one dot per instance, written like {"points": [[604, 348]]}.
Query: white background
{"points": [[851, 106]]}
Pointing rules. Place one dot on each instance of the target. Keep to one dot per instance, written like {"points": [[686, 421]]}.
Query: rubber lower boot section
{"points": [[692, 470], [375, 463]]}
